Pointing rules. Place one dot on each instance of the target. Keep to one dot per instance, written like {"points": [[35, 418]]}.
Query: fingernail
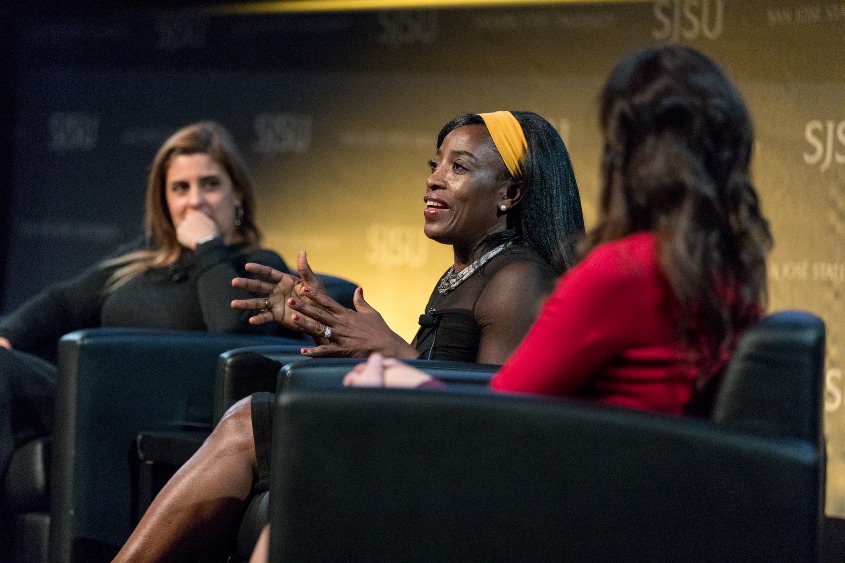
{"points": [[296, 317], [292, 302], [361, 291], [303, 350], [306, 289]]}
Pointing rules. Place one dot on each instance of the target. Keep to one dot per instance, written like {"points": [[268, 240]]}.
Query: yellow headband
{"points": [[509, 139]]}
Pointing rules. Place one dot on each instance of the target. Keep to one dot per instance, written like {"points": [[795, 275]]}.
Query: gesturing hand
{"points": [[279, 289], [343, 332]]}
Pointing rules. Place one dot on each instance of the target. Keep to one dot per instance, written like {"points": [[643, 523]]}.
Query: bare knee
{"points": [[233, 434]]}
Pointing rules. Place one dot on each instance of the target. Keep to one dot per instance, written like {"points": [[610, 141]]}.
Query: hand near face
{"points": [[379, 371], [279, 289], [195, 226]]}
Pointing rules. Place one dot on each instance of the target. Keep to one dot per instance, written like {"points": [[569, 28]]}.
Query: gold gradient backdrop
{"points": [[351, 191]]}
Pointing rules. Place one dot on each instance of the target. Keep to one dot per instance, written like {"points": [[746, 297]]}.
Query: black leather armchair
{"points": [[327, 374], [389, 475], [240, 372], [113, 383]]}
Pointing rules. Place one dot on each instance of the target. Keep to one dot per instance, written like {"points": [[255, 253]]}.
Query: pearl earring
{"points": [[503, 207]]}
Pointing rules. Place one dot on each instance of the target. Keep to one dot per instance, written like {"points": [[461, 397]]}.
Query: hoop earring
{"points": [[239, 215]]}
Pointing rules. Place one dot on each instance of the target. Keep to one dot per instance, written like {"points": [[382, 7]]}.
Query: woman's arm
{"points": [[597, 310], [508, 306], [67, 306], [301, 303]]}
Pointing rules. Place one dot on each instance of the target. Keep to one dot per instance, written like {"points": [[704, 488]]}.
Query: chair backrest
{"points": [[773, 384], [251, 369], [384, 475], [325, 374], [112, 383]]}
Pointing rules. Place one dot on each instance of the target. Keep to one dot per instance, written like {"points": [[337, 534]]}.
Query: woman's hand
{"points": [[195, 226], [279, 289], [342, 332], [379, 371]]}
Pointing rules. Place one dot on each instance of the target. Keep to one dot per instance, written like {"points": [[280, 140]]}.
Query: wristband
{"points": [[204, 240]]}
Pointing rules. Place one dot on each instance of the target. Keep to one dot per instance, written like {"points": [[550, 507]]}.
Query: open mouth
{"points": [[433, 206]]}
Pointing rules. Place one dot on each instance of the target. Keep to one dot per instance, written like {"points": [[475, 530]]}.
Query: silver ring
{"points": [[327, 333], [266, 305]]}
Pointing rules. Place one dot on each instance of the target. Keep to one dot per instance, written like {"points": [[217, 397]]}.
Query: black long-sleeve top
{"points": [[192, 294]]}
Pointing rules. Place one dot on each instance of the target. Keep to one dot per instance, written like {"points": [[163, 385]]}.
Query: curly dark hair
{"points": [[548, 217], [678, 144]]}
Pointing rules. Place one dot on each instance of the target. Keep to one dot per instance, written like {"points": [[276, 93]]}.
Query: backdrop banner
{"points": [[337, 114]]}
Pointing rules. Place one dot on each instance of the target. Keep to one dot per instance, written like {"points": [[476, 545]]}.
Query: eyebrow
{"points": [[202, 179], [462, 153]]}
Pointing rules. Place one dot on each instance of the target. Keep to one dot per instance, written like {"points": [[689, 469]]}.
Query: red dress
{"points": [[608, 333]]}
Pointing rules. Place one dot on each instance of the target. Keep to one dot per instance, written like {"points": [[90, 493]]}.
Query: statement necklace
{"points": [[451, 280]]}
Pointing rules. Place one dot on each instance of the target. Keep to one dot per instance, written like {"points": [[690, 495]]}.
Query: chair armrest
{"points": [[413, 475], [112, 383], [244, 371]]}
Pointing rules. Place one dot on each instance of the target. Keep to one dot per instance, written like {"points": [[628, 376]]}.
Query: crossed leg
{"points": [[201, 502]]}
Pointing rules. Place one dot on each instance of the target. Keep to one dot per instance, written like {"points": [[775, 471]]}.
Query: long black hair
{"points": [[548, 216]]}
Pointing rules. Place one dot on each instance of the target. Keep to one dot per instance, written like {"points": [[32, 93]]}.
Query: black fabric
{"points": [[262, 429], [455, 330], [26, 486], [27, 390], [192, 294]]}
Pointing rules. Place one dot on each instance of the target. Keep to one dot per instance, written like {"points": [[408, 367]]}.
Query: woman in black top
{"points": [[502, 193], [200, 231], [512, 217]]}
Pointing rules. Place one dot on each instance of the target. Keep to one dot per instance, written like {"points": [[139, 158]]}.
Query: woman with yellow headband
{"points": [[502, 193], [675, 269]]}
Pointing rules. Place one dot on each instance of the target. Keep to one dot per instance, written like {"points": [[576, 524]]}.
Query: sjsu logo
{"points": [[282, 132], [73, 131], [407, 27], [396, 246], [826, 138], [688, 19]]}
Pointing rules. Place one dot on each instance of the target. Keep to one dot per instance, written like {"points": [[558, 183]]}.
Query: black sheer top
{"points": [[485, 318]]}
